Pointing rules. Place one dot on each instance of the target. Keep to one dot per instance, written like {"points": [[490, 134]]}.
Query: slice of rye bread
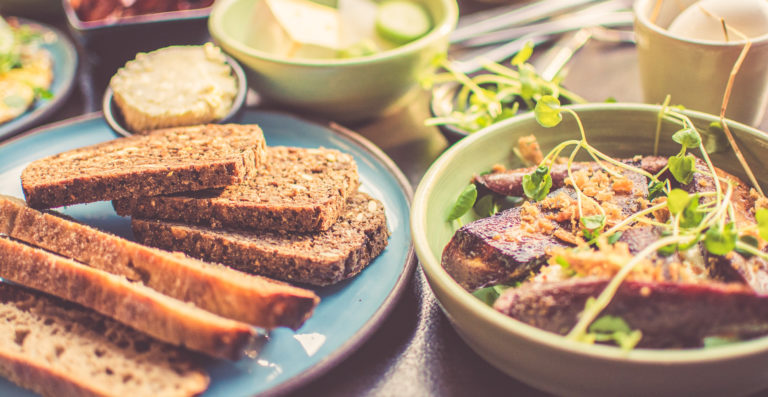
{"points": [[296, 189], [164, 161], [136, 305], [321, 258], [57, 348], [218, 289]]}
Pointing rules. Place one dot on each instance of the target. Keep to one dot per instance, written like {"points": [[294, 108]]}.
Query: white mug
{"points": [[695, 72]]}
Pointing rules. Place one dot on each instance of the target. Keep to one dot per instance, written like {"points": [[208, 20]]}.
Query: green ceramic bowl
{"points": [[548, 361], [340, 89]]}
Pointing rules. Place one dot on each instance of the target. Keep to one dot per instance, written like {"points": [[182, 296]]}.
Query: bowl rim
{"points": [[442, 29], [642, 19], [439, 277], [110, 110]]}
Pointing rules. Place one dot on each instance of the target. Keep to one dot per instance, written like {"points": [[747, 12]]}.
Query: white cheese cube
{"points": [[297, 29]]}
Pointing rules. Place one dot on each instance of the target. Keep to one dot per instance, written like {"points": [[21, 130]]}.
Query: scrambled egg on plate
{"points": [[26, 70]]}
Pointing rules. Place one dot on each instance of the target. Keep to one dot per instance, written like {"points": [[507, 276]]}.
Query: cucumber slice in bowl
{"points": [[401, 21]]}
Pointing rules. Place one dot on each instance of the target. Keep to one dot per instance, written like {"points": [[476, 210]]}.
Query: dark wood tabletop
{"points": [[415, 352]]}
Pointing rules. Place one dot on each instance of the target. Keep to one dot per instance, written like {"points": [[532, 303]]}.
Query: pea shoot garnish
{"points": [[463, 203], [537, 184], [498, 94], [613, 329], [705, 217]]}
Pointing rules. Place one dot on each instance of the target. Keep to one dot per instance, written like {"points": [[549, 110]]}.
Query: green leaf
{"points": [[565, 266], [463, 203], [536, 185], [547, 111], [608, 324], [42, 93], [486, 206], [628, 341], [677, 199], [489, 294], [529, 85], [720, 242], [590, 235], [612, 328], [761, 215], [593, 222], [656, 189], [716, 140], [692, 217], [687, 137], [747, 240], [682, 168], [669, 249], [510, 201], [687, 246], [523, 55], [610, 99], [613, 238]]}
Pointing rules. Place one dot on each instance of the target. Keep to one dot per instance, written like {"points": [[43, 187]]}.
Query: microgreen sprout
{"points": [[706, 217], [489, 294], [613, 329], [486, 206], [463, 203], [536, 185], [498, 94]]}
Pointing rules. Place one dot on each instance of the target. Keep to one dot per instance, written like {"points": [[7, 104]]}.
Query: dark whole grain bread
{"points": [[218, 289], [320, 258], [136, 305], [296, 189], [161, 162], [56, 348]]}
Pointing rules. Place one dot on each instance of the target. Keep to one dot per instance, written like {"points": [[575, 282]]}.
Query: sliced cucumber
{"points": [[402, 21]]}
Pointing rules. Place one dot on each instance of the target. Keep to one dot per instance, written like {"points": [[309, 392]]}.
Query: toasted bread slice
{"points": [[215, 288], [133, 304], [321, 258], [57, 348], [163, 161], [296, 189]]}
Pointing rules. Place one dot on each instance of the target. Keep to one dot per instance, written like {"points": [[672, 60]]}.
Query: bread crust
{"points": [[229, 293], [321, 258], [295, 189], [161, 162], [89, 359], [133, 304]]}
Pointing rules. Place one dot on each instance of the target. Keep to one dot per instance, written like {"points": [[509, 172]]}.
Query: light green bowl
{"points": [[548, 361], [340, 89]]}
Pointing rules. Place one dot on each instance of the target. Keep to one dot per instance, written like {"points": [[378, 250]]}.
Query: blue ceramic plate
{"points": [[64, 59], [348, 313]]}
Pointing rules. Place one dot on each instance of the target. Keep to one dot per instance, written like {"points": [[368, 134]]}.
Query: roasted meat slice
{"points": [[668, 314], [510, 182], [496, 250], [512, 244]]}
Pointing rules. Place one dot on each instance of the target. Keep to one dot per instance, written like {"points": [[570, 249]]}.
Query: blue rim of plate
{"points": [[64, 59], [376, 161]]}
